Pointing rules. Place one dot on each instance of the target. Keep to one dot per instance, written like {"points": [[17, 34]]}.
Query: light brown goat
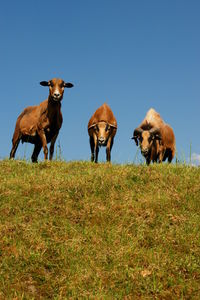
{"points": [[40, 124], [156, 138], [102, 128]]}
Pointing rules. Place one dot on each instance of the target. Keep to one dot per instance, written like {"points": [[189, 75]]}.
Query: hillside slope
{"points": [[82, 230]]}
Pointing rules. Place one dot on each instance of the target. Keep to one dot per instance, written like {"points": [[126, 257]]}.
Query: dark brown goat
{"points": [[156, 138], [102, 128], [40, 124]]}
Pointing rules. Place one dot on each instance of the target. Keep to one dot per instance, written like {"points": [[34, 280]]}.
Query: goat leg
{"points": [[96, 153], [96, 148], [52, 146], [108, 149], [161, 156], [36, 152], [170, 156], [15, 143], [148, 160], [44, 142], [92, 148]]}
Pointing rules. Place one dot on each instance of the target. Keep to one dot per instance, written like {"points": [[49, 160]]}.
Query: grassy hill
{"points": [[80, 230]]}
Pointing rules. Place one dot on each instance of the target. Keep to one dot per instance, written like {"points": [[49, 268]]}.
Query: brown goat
{"points": [[102, 128], [40, 124], [156, 138]]}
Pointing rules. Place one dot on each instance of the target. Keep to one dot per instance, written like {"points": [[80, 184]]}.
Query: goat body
{"points": [[40, 124], [102, 128], [156, 138]]}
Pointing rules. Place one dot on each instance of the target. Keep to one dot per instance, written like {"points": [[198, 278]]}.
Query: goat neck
{"points": [[53, 107]]}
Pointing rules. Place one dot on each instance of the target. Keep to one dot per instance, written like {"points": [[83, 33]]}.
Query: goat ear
{"points": [[68, 85], [44, 83]]}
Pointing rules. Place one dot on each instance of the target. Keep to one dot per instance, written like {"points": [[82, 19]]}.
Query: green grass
{"points": [[97, 231]]}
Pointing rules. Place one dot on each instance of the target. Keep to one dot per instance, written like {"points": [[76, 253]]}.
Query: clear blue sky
{"points": [[131, 54]]}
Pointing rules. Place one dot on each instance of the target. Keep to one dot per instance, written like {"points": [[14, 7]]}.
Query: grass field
{"points": [[97, 231]]}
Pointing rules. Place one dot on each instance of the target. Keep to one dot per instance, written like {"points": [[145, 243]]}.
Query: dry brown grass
{"points": [[81, 230]]}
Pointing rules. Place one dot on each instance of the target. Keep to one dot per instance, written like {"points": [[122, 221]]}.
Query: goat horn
{"points": [[154, 130], [137, 132], [91, 126], [111, 125]]}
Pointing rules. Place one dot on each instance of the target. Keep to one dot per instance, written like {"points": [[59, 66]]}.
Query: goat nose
{"points": [[144, 151], [101, 139], [56, 94]]}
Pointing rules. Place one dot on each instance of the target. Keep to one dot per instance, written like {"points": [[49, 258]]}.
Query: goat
{"points": [[156, 138], [40, 124], [102, 128]]}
